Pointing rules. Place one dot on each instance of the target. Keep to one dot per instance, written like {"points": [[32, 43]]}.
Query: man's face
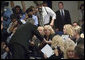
{"points": [[74, 24], [60, 5]]}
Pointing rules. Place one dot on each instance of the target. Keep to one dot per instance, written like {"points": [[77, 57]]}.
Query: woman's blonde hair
{"points": [[58, 41], [41, 27], [77, 29], [68, 45], [69, 29], [49, 28]]}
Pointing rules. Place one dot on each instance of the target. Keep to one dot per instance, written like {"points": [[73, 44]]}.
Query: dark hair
{"points": [[60, 3], [29, 10], [14, 9], [13, 16], [76, 22]]}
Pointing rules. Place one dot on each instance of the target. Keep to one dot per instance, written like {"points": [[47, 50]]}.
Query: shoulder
{"points": [[66, 10], [57, 11]]}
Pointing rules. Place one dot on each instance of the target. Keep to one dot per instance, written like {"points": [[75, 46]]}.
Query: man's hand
{"points": [[52, 23]]}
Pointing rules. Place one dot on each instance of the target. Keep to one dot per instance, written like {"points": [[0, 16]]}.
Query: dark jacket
{"points": [[24, 33], [59, 22]]}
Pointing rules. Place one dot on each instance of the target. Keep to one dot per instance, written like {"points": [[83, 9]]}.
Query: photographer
{"points": [[45, 13]]}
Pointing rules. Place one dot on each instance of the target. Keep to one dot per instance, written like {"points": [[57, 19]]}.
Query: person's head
{"points": [[41, 30], [57, 41], [75, 24], [77, 31], [68, 29], [45, 4], [30, 20], [79, 50], [48, 30], [17, 9], [29, 12], [60, 5], [33, 8], [70, 52], [69, 46]]}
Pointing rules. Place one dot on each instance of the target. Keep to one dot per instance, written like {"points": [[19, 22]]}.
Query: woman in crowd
{"points": [[49, 34], [69, 30], [58, 48], [78, 35], [69, 42], [69, 46]]}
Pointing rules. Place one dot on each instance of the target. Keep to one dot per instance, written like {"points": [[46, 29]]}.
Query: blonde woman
{"points": [[41, 30], [69, 46], [58, 45], [78, 35], [68, 29], [58, 41], [48, 35]]}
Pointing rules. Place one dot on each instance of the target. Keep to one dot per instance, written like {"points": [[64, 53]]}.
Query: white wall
{"points": [[72, 6]]}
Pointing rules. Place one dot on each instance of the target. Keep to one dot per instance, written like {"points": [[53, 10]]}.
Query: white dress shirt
{"points": [[61, 11], [46, 15]]}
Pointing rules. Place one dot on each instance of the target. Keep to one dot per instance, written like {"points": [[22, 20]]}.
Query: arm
{"points": [[36, 32], [52, 13], [23, 6]]}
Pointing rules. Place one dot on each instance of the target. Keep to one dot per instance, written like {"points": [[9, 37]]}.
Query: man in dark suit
{"points": [[62, 17], [19, 43]]}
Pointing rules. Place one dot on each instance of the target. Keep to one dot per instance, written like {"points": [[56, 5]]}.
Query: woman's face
{"points": [[64, 30], [47, 32], [70, 54], [41, 31]]}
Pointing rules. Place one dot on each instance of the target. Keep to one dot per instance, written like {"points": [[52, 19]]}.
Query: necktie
{"points": [[62, 12], [62, 15]]}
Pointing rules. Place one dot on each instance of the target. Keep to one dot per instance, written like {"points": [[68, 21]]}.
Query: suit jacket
{"points": [[24, 33], [59, 22]]}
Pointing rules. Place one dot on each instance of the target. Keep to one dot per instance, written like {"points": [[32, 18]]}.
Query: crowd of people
{"points": [[24, 32]]}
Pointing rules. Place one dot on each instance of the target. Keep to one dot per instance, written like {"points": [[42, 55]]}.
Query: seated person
{"points": [[58, 48], [77, 34], [48, 35], [69, 30], [69, 49]]}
